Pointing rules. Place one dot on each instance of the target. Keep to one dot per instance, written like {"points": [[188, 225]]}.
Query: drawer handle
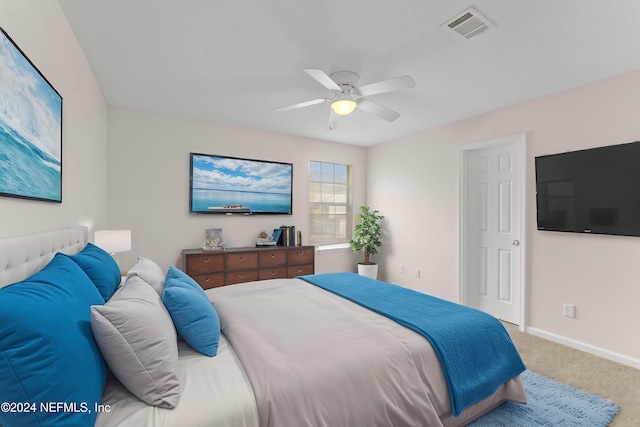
{"points": [[241, 276], [301, 253], [206, 280], [300, 269], [272, 272], [241, 258], [273, 255], [205, 260]]}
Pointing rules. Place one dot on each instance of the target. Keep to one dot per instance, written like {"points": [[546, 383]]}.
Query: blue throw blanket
{"points": [[474, 348]]}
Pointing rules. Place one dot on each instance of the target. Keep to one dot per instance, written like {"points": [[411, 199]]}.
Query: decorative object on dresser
{"points": [[239, 265], [213, 239], [366, 237], [265, 240]]}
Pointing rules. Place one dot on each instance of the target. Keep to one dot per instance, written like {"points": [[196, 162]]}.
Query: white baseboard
{"points": [[588, 348]]}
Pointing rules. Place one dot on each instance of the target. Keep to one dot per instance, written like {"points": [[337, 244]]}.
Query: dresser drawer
{"points": [[299, 270], [270, 258], [300, 255], [211, 269], [241, 277], [208, 281], [205, 263], [242, 260], [273, 273]]}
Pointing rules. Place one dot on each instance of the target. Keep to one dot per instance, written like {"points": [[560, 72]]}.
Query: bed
{"points": [[291, 353]]}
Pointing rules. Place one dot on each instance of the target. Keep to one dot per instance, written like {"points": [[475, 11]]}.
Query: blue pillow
{"points": [[47, 350], [192, 313], [101, 268]]}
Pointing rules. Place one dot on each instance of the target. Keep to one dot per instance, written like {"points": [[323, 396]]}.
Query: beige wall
{"points": [[41, 30], [414, 182], [148, 183]]}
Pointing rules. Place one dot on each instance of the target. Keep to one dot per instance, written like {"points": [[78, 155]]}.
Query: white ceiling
{"points": [[234, 61]]}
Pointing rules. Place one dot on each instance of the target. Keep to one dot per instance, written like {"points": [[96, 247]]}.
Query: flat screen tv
{"points": [[593, 191], [228, 185]]}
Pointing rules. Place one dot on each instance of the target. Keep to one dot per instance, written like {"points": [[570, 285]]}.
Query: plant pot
{"points": [[368, 270]]}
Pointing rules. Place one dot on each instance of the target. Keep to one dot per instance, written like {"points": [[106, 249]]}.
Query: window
{"points": [[330, 203]]}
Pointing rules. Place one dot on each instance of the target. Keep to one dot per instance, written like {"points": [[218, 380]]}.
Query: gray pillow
{"points": [[150, 272], [138, 341]]}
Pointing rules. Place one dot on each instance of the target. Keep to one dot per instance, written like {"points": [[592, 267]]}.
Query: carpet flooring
{"points": [[592, 374], [550, 404]]}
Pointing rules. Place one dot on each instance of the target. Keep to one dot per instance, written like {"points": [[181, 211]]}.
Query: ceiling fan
{"points": [[347, 95]]}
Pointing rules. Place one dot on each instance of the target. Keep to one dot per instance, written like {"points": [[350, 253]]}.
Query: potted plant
{"points": [[366, 237]]}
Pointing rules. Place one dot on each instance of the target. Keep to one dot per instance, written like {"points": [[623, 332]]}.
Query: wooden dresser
{"points": [[237, 265]]}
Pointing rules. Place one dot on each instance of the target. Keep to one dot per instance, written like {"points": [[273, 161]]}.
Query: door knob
{"points": [[516, 243]]}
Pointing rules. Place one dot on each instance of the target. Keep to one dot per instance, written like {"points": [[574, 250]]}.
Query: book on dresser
{"points": [[288, 237], [238, 265]]}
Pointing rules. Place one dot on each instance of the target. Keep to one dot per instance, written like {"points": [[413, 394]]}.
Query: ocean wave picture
{"points": [[30, 128]]}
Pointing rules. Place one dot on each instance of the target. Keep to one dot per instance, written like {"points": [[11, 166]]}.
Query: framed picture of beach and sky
{"points": [[30, 128]]}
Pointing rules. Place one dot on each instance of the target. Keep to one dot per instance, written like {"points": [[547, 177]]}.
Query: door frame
{"points": [[463, 161]]}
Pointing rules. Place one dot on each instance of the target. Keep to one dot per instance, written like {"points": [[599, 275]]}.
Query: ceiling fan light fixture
{"points": [[343, 106]]}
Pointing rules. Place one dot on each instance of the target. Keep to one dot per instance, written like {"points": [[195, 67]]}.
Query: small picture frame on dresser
{"points": [[213, 239]]}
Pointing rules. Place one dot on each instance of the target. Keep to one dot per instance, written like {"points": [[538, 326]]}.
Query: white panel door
{"points": [[494, 230]]}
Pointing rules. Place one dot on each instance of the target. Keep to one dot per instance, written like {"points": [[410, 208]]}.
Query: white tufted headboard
{"points": [[21, 256]]}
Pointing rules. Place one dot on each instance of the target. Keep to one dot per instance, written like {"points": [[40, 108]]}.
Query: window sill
{"points": [[343, 247]]}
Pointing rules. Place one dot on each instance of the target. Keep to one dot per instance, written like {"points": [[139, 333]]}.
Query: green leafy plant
{"points": [[366, 235]]}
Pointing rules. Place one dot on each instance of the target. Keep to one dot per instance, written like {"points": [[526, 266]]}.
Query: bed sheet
{"points": [[215, 392]]}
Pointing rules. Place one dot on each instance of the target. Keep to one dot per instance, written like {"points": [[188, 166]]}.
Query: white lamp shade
{"points": [[344, 106], [113, 241]]}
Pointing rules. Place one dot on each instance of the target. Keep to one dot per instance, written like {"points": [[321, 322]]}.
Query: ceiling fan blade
{"points": [[322, 78], [391, 85], [377, 109], [332, 123], [300, 105]]}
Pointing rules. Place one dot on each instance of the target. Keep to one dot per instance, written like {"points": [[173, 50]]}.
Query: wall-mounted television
{"points": [[232, 185], [593, 191]]}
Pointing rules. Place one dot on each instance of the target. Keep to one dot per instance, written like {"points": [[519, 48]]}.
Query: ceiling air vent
{"points": [[469, 23]]}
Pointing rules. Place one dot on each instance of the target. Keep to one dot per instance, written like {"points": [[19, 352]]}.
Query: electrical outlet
{"points": [[570, 310], [417, 273]]}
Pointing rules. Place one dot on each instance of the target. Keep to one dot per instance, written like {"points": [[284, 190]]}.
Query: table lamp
{"points": [[113, 241]]}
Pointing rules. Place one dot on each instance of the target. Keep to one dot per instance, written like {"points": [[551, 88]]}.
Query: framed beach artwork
{"points": [[30, 128]]}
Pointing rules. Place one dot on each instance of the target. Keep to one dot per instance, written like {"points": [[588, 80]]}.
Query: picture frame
{"points": [[213, 239], [30, 128]]}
